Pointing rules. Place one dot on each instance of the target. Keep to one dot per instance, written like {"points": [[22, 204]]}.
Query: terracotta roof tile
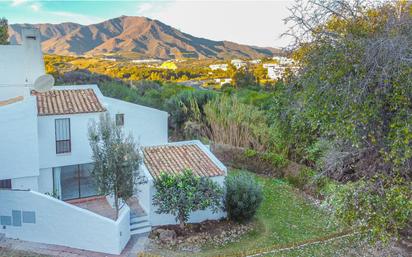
{"points": [[177, 158], [68, 101]]}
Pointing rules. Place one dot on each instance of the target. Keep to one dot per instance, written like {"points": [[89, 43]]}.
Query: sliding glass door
{"points": [[74, 181]]}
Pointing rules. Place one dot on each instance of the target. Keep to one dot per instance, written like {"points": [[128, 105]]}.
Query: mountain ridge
{"points": [[148, 38]]}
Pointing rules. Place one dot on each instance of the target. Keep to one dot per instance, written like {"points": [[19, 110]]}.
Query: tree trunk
{"points": [[181, 221], [116, 203]]}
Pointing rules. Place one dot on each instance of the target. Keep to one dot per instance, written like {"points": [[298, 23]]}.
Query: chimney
{"points": [[33, 56]]}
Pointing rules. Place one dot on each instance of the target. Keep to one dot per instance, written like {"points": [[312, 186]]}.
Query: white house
{"points": [[222, 66], [238, 63], [46, 192]]}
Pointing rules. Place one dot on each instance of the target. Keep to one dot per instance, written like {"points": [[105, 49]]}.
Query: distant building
{"points": [[238, 63], [275, 71], [168, 65], [283, 60], [147, 61], [109, 59], [223, 81], [222, 66], [256, 61]]}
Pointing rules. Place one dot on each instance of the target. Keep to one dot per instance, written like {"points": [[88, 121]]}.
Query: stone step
{"points": [[140, 230], [137, 219], [139, 225]]}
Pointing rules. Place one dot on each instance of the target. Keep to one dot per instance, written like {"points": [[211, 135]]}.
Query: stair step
{"points": [[140, 230], [138, 222], [137, 219], [139, 225]]}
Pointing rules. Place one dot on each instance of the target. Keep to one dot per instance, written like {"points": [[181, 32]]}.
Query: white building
{"points": [[145, 61], [275, 71], [238, 63], [255, 61], [283, 60], [222, 66], [223, 81], [44, 152]]}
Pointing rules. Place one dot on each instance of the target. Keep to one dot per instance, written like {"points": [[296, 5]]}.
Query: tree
{"points": [[116, 160], [183, 193], [354, 87], [4, 35]]}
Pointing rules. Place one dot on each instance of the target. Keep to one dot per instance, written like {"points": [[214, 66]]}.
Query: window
{"points": [[5, 184], [74, 182], [63, 144], [120, 119]]}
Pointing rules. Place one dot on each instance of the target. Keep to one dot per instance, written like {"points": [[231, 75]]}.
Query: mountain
{"points": [[142, 36]]}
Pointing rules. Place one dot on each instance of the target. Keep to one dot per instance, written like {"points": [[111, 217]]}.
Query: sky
{"points": [[257, 23]]}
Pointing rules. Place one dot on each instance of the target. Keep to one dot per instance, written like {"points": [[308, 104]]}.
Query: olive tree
{"points": [[4, 35], [183, 193], [116, 160]]}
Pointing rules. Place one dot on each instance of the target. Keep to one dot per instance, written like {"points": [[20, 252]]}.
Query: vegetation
{"points": [[283, 217], [4, 35], [345, 114], [116, 160], [183, 193], [243, 197]]}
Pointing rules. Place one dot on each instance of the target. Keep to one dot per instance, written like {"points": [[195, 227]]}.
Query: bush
{"points": [[303, 178], [183, 193], [243, 197]]}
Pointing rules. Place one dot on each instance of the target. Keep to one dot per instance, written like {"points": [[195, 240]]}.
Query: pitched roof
{"points": [[68, 101], [177, 158]]}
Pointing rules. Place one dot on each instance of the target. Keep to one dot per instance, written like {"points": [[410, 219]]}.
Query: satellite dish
{"points": [[43, 83]]}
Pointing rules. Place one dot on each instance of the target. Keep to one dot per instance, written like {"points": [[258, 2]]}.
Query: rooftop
{"points": [[67, 101], [177, 158]]}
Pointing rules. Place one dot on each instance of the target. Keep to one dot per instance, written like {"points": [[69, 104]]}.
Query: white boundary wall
{"points": [[60, 223]]}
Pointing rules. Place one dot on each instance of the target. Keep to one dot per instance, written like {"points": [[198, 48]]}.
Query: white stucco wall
{"points": [[45, 181], [20, 65], [147, 125], [19, 155], [80, 148], [60, 223]]}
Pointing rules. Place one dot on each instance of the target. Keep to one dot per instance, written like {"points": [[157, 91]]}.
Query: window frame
{"points": [[69, 149], [5, 184], [122, 119]]}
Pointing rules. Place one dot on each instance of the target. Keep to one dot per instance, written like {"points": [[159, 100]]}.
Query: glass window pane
{"points": [[69, 182], [87, 184]]}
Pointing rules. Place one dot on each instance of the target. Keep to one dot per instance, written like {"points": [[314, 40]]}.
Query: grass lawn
{"points": [[284, 217]]}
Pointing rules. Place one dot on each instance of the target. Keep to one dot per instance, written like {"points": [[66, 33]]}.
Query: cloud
{"points": [[17, 2], [249, 22], [144, 8], [75, 17], [35, 7]]}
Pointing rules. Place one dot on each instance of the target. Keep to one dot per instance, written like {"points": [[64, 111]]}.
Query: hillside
{"points": [[145, 37]]}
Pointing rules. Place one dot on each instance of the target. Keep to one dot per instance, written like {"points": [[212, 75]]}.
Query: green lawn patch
{"points": [[284, 217]]}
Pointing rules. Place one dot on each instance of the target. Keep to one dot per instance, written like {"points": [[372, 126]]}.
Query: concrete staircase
{"points": [[139, 224]]}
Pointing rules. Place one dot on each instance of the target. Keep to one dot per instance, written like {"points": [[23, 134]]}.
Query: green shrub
{"points": [[243, 197], [304, 177], [183, 193], [277, 160], [249, 153]]}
